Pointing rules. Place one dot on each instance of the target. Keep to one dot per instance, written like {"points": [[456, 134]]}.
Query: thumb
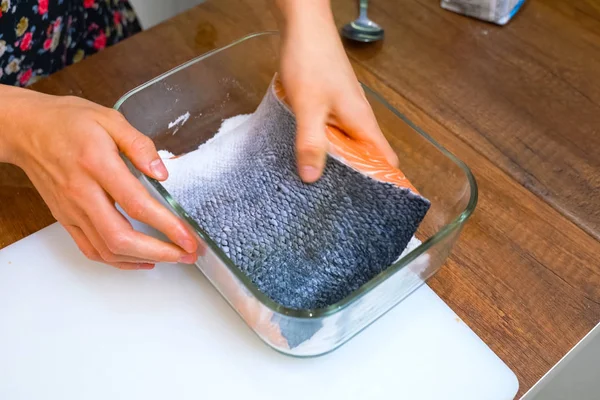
{"points": [[311, 144], [138, 147]]}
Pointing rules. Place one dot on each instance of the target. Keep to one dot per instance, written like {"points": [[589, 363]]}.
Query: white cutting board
{"points": [[73, 329]]}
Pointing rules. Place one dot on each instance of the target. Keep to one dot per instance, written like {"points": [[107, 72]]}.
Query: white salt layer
{"points": [[179, 122], [208, 161], [165, 154]]}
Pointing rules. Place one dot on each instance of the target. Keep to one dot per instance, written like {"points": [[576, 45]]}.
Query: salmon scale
{"points": [[306, 246]]}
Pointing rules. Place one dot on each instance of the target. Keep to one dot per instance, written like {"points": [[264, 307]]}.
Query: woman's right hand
{"points": [[69, 147]]}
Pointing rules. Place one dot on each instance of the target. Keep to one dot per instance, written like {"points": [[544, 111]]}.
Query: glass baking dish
{"points": [[193, 99]]}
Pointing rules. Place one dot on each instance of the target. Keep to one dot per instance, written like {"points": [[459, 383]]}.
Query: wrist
{"points": [[12, 118], [299, 15]]}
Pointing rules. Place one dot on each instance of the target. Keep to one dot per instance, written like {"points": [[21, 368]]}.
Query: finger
{"points": [[86, 247], [83, 243], [359, 122], [184, 257], [105, 254], [121, 239], [131, 195], [138, 147], [132, 266], [311, 144]]}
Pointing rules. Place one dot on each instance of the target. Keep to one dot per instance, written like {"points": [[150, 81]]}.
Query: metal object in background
{"points": [[363, 29]]}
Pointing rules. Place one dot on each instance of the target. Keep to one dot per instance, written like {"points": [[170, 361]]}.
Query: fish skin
{"points": [[306, 246]]}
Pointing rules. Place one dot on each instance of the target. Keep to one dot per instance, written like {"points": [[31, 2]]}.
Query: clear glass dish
{"points": [[194, 98]]}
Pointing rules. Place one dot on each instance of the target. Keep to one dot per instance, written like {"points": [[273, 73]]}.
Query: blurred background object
{"points": [[153, 12], [362, 29], [496, 11]]}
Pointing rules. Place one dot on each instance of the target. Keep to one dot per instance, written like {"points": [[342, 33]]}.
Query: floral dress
{"points": [[39, 37]]}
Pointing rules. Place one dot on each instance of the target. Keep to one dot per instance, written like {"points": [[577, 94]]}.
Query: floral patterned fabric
{"points": [[39, 37]]}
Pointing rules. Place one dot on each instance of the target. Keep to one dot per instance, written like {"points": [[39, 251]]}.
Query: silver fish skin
{"points": [[306, 246]]}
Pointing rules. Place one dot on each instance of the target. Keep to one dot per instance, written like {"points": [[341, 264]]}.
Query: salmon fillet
{"points": [[304, 246]]}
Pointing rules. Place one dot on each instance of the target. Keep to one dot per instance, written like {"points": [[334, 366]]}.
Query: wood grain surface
{"points": [[519, 104]]}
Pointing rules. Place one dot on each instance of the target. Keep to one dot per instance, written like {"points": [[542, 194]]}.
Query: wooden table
{"points": [[519, 104]]}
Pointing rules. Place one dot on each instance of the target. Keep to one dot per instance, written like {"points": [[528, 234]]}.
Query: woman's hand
{"points": [[69, 148], [321, 86]]}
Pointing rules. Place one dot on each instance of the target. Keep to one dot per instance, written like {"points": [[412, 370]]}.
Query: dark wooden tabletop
{"points": [[519, 104]]}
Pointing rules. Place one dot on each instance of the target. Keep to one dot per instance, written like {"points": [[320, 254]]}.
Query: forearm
{"points": [[293, 16], [9, 96], [19, 111]]}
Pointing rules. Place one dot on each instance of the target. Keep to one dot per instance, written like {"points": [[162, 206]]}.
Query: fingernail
{"points": [[158, 169], [188, 259], [187, 245], [145, 266], [309, 174]]}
